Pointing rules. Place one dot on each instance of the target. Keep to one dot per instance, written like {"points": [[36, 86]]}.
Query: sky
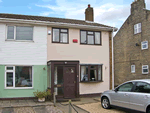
{"points": [[108, 12]]}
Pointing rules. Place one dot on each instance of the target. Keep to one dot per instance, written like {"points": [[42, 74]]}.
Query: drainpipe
{"points": [[113, 59]]}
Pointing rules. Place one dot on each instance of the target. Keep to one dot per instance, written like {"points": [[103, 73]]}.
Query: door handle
{"points": [[74, 81], [146, 96]]}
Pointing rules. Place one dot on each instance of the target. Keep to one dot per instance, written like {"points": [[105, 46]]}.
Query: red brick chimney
{"points": [[89, 16]]}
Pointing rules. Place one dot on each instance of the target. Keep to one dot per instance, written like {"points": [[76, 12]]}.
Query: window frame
{"points": [[144, 44], [136, 26], [15, 33], [137, 83], [89, 72], [14, 77], [60, 34], [91, 35], [132, 71], [145, 68]]}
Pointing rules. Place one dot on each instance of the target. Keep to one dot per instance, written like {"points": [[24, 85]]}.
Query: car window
{"points": [[126, 87], [142, 87]]}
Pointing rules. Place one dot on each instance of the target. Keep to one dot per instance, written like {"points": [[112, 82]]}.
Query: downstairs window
{"points": [[18, 76], [90, 73]]}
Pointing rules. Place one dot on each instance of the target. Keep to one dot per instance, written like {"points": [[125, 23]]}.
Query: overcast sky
{"points": [[109, 12]]}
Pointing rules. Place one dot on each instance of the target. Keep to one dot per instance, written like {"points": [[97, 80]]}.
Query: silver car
{"points": [[133, 95]]}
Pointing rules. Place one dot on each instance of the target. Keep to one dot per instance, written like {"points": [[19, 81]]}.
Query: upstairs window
{"points": [[145, 69], [137, 28], [90, 37], [132, 68], [19, 33], [60, 35], [144, 45], [91, 73]]}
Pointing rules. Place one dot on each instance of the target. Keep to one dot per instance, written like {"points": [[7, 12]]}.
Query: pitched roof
{"points": [[51, 19]]}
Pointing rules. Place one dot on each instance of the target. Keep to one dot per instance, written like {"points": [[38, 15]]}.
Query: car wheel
{"points": [[105, 103], [148, 110]]}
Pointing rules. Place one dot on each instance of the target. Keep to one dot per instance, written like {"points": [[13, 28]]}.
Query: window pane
{"points": [[64, 30], [90, 39], [90, 32], [9, 68], [84, 73], [10, 32], [133, 68], [63, 38], [126, 87], [97, 38], [23, 76], [99, 72], [83, 37], [56, 35], [24, 33], [145, 70], [9, 78], [93, 75], [142, 87]]}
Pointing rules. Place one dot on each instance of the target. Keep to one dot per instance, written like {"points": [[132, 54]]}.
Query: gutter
{"points": [[113, 59], [47, 23]]}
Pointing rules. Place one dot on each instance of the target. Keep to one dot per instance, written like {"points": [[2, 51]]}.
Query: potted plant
{"points": [[41, 95]]}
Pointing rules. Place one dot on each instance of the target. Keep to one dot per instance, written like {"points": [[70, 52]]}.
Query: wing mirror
{"points": [[116, 90]]}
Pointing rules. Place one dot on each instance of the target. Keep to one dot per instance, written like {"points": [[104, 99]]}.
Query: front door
{"points": [[69, 82]]}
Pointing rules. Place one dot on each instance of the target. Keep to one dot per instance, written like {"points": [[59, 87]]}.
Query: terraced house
{"points": [[131, 45], [72, 57]]}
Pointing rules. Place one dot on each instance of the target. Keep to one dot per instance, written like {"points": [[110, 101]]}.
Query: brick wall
{"points": [[126, 52]]}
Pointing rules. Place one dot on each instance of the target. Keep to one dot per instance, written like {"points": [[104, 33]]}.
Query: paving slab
{"points": [[14, 103], [24, 110], [31, 103], [6, 103], [8, 110]]}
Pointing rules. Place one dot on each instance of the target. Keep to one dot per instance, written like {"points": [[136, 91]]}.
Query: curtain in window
{"points": [[63, 37]]}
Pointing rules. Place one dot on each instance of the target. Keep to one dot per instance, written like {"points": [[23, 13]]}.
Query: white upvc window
{"points": [[19, 33], [145, 69], [132, 68], [137, 28], [18, 77], [144, 45]]}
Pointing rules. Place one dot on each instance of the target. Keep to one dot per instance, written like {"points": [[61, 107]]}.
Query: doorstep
{"points": [[23, 103], [66, 100]]}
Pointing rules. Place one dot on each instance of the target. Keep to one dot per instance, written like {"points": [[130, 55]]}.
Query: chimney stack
{"points": [[137, 6], [89, 16]]}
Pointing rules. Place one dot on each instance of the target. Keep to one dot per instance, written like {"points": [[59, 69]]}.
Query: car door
{"points": [[121, 96], [139, 98]]}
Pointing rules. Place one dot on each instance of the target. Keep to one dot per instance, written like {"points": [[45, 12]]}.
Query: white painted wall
{"points": [[27, 53]]}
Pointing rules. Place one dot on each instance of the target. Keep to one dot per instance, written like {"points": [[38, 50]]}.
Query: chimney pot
{"points": [[89, 5]]}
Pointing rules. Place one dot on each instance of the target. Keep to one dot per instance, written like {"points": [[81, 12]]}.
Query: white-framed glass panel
{"points": [[64, 30], [84, 73], [99, 72], [10, 32], [132, 68], [18, 76], [90, 39], [137, 28], [144, 45], [9, 79], [83, 37], [56, 35], [63, 37], [145, 69], [97, 38], [90, 32], [24, 33]]}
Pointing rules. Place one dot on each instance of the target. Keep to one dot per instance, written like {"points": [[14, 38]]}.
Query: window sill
{"points": [[20, 88], [60, 43], [20, 40], [145, 73], [91, 81], [91, 44]]}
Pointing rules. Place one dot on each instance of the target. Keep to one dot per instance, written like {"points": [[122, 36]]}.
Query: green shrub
{"points": [[41, 94]]}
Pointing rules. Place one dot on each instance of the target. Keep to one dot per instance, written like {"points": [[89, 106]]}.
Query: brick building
{"points": [[131, 51]]}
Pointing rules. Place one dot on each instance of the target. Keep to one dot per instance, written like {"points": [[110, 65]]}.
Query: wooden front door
{"points": [[69, 82]]}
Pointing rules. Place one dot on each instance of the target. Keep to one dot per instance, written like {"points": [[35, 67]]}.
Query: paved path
{"points": [[38, 109]]}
